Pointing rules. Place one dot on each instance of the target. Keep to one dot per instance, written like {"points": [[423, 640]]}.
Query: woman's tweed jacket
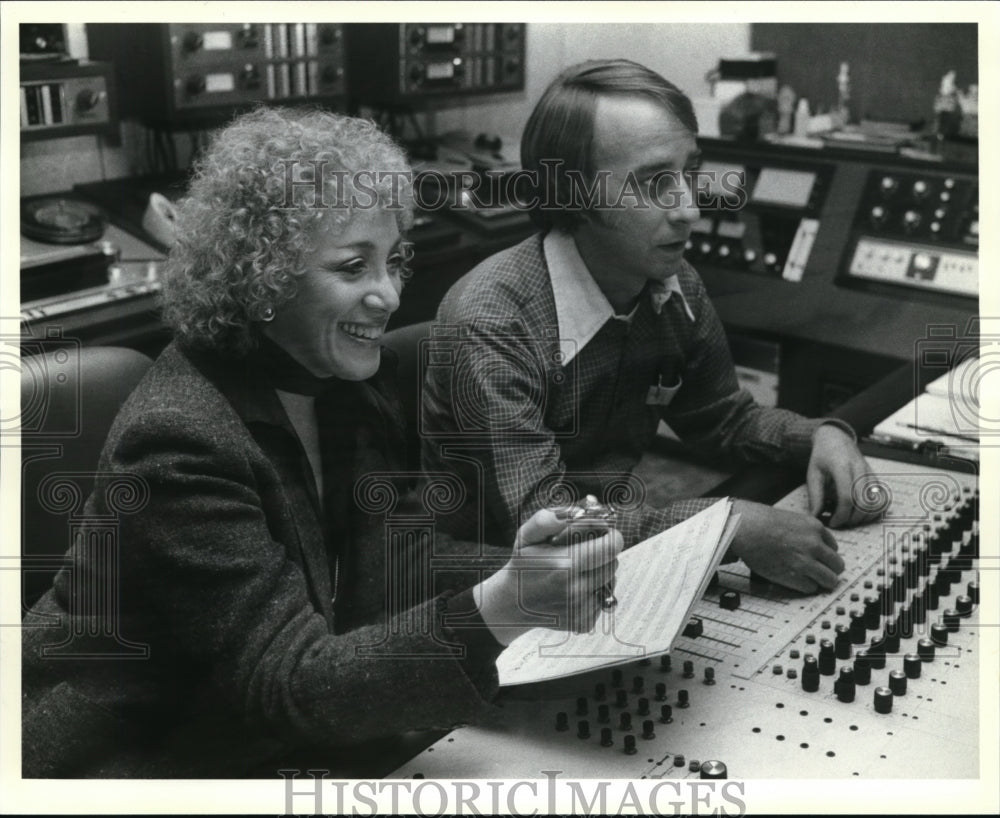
{"points": [[216, 648]]}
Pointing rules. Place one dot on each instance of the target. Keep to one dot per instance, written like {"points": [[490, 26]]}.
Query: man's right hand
{"points": [[792, 549]]}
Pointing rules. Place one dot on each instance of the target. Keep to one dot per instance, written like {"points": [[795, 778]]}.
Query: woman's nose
{"points": [[384, 295]]}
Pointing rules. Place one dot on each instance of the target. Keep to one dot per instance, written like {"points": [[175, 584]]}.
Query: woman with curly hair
{"points": [[271, 611]]}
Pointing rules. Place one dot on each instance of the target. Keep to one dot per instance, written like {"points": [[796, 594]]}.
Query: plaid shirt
{"points": [[527, 425]]}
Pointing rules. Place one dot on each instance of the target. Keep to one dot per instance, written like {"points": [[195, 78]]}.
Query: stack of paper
{"points": [[658, 583]]}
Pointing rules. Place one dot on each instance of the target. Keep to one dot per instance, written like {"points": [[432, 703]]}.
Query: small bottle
{"points": [[802, 117]]}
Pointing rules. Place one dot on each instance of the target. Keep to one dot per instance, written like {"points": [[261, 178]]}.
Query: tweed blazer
{"points": [[502, 408], [224, 635]]}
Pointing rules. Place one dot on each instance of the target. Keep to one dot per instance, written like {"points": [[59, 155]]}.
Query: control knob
{"points": [[878, 214], [888, 185], [883, 700], [714, 770], [195, 85], [88, 99], [911, 220], [919, 189], [192, 41]]}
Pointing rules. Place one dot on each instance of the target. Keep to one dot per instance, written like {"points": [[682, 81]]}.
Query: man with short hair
{"points": [[558, 357]]}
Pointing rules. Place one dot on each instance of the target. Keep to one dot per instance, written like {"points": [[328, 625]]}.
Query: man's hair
{"points": [[560, 131], [252, 211]]}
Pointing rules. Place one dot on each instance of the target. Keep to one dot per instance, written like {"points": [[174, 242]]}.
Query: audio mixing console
{"points": [[876, 679]]}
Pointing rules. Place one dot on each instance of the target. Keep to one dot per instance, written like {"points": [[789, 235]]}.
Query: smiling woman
{"points": [[249, 608]]}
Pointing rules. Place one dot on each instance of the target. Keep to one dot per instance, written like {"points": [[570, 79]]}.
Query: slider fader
{"points": [[876, 679]]}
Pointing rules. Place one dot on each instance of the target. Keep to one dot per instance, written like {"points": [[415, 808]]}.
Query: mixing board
{"points": [[876, 679]]}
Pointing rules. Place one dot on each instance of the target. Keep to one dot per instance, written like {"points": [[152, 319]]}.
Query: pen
{"points": [[931, 431]]}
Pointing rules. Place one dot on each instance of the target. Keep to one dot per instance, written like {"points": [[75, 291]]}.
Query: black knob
{"points": [[332, 73], [666, 713], [630, 745], [625, 721], [904, 622], [87, 100], [192, 41], [621, 698], [897, 682], [647, 729], [714, 769], [603, 714], [643, 706], [918, 609], [876, 653], [661, 692], [951, 620], [890, 638], [827, 657], [883, 700], [939, 634], [710, 675], [842, 642], [600, 692], [844, 687], [606, 737], [912, 666], [679, 761], [616, 677], [858, 628], [583, 729], [688, 669], [694, 628], [862, 668], [581, 706], [942, 582], [810, 674], [973, 591], [682, 698], [195, 85], [873, 612], [665, 662], [562, 722], [925, 650], [931, 595], [729, 600], [963, 604], [638, 683]]}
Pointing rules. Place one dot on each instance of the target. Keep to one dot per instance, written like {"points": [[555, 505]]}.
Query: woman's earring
{"points": [[267, 314]]}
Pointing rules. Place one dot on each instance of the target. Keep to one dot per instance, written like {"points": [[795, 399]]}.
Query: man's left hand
{"points": [[835, 467]]}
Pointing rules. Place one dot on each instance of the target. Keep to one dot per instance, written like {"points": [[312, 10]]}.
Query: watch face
{"points": [[56, 220]]}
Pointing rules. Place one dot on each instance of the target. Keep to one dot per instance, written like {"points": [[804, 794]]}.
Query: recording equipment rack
{"points": [[878, 679]]}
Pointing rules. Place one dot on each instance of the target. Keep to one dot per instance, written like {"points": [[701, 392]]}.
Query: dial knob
{"points": [[643, 709], [890, 640], [883, 700], [949, 183], [919, 189], [710, 675], [665, 662], [911, 219], [682, 698], [195, 85], [912, 664], [827, 657], [939, 634], [945, 196], [963, 604], [192, 41], [951, 620], [666, 713], [625, 721], [630, 745], [688, 671], [876, 652], [857, 628], [897, 682], [862, 668], [940, 213], [661, 692], [749, 255], [770, 259], [935, 228], [705, 248], [925, 650], [973, 590], [844, 687], [724, 251], [878, 214], [713, 770], [607, 738], [603, 713], [647, 729], [329, 35], [842, 642], [888, 185], [810, 674], [88, 99]]}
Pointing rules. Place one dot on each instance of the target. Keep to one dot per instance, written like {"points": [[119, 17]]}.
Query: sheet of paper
{"points": [[933, 417], [658, 582]]}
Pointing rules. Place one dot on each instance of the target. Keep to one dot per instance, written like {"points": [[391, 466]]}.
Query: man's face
{"points": [[641, 236]]}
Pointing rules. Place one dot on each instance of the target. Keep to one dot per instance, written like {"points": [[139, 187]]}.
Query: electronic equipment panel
{"points": [[400, 63], [758, 216], [916, 229], [195, 74], [67, 99], [877, 679]]}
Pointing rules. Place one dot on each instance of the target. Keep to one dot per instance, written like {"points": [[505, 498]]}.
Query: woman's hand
{"points": [[546, 583]]}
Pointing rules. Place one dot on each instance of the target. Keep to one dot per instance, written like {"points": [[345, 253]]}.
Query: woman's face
{"points": [[350, 287]]}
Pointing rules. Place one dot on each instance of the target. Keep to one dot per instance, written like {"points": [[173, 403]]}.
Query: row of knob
{"points": [[920, 189]]}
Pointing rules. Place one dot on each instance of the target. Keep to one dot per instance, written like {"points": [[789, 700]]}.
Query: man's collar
{"points": [[581, 308]]}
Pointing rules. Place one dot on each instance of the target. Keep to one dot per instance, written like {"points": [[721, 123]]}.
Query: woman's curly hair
{"points": [[251, 209]]}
